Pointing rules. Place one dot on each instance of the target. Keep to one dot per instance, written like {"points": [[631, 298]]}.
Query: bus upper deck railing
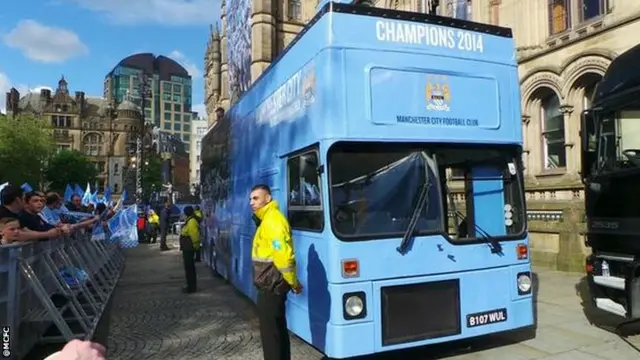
{"points": [[55, 290]]}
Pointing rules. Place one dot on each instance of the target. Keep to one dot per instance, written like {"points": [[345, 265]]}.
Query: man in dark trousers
{"points": [[274, 267], [165, 214]]}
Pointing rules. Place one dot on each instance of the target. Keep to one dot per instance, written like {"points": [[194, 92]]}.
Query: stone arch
{"points": [[576, 68], [535, 81]]}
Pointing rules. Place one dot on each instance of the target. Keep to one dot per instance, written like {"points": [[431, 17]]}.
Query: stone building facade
{"points": [[90, 125], [563, 48]]}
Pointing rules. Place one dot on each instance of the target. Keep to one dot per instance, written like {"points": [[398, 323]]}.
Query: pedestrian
{"points": [[165, 215], [154, 225], [274, 270], [190, 245]]}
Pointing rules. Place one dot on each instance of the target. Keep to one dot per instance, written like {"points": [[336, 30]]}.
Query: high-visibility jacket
{"points": [[273, 247], [191, 229], [154, 218]]}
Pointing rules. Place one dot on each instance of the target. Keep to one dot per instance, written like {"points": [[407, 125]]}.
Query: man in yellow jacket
{"points": [[274, 267], [190, 245]]}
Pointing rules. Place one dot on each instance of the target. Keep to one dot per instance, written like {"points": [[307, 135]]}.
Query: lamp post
{"points": [[145, 91]]}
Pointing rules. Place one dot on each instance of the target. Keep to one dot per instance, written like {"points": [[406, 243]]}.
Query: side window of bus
{"points": [[304, 192]]}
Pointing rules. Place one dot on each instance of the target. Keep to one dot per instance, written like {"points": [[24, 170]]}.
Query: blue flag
{"points": [[68, 193], [26, 188], [77, 190], [107, 195]]}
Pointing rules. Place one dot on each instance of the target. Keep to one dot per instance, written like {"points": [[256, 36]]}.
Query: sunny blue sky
{"points": [[40, 40]]}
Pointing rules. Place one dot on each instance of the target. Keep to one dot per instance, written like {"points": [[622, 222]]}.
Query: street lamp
{"points": [[145, 91]]}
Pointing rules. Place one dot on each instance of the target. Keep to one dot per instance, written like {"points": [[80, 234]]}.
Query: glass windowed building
{"points": [[169, 107]]}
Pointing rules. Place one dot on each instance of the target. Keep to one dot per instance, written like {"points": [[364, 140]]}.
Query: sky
{"points": [[42, 40]]}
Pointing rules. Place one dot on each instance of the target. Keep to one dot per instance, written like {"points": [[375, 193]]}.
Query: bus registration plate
{"points": [[486, 318]]}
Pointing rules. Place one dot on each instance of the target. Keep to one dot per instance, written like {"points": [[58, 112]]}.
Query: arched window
{"points": [[586, 98], [93, 144], [553, 133]]}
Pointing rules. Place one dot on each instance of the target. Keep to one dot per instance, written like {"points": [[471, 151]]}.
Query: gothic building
{"points": [[99, 129]]}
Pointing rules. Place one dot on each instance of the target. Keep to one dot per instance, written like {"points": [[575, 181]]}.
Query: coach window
{"points": [[304, 195]]}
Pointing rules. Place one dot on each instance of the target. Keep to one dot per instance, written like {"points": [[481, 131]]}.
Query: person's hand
{"points": [[66, 229], [81, 350], [297, 288]]}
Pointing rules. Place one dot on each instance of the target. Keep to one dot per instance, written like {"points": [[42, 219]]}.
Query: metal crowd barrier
{"points": [[56, 290]]}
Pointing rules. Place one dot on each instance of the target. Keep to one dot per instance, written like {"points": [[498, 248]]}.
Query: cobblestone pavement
{"points": [[152, 319]]}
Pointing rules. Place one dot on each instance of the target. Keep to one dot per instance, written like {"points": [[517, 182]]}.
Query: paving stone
{"points": [[151, 319]]}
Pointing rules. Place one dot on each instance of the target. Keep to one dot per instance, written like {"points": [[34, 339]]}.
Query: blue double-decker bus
{"points": [[392, 141]]}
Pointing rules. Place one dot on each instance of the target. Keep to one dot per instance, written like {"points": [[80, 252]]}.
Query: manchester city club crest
{"points": [[438, 94]]}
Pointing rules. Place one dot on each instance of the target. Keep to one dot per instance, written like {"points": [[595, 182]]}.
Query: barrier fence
{"points": [[56, 290]]}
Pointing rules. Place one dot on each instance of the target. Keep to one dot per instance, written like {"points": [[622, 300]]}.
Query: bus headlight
{"points": [[354, 305], [524, 283]]}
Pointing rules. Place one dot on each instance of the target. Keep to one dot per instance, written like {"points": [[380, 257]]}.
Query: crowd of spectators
{"points": [[21, 215]]}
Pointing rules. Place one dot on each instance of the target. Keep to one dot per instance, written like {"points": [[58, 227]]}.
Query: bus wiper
{"points": [[423, 200], [494, 244]]}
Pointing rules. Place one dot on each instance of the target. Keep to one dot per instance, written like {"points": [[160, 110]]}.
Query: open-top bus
{"points": [[392, 141]]}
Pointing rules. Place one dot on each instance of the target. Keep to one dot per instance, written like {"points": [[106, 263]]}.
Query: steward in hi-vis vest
{"points": [[274, 266]]}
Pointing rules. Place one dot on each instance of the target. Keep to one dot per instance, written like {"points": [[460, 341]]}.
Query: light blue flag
{"points": [[86, 197], [123, 227]]}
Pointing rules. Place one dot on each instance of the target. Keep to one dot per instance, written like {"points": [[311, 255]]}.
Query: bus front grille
{"points": [[422, 311]]}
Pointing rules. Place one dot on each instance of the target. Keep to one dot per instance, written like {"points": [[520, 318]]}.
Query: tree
{"points": [[70, 167], [25, 146], [151, 175]]}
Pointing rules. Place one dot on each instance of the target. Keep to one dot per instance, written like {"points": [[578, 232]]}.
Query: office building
{"points": [[168, 100]]}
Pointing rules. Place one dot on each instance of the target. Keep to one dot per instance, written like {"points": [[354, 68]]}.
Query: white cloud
{"points": [[43, 43], [191, 68], [165, 12], [23, 89], [201, 109]]}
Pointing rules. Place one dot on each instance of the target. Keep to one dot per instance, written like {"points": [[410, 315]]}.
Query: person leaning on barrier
{"points": [[54, 202], [76, 204], [29, 216], [190, 245], [12, 206], [274, 268]]}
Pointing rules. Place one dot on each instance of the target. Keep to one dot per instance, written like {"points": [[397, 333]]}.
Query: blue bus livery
{"points": [[392, 142]]}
